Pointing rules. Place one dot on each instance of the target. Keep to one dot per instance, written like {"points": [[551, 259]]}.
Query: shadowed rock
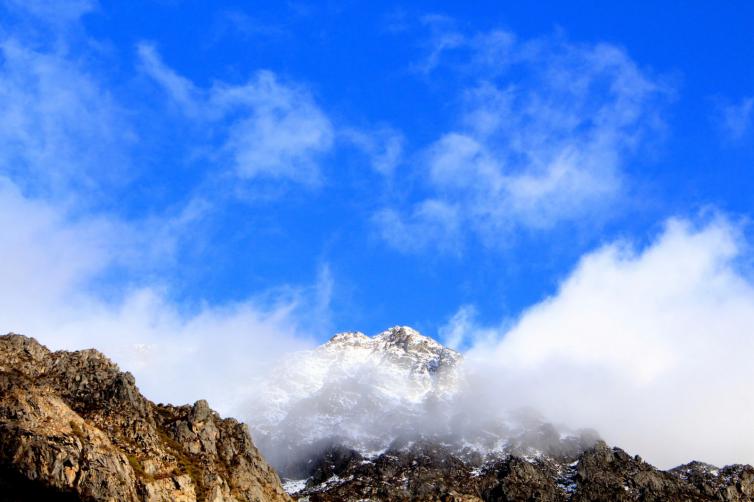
{"points": [[429, 472]]}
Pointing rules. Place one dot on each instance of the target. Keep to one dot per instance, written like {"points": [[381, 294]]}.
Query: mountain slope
{"points": [[360, 389], [73, 427], [426, 470], [364, 393], [393, 417]]}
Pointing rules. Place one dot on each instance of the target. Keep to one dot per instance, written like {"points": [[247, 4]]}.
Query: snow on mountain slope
{"points": [[368, 392], [356, 388]]}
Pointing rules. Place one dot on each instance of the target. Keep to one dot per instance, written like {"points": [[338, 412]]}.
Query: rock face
{"points": [[429, 472], [73, 427]]}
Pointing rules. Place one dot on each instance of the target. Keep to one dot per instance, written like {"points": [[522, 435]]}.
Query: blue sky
{"points": [[383, 83], [562, 185], [378, 87]]}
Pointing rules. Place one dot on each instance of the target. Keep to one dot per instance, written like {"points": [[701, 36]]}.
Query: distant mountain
{"points": [[365, 393], [73, 427], [389, 418], [362, 390]]}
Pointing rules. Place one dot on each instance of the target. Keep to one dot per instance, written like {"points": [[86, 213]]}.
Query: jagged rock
{"points": [[74, 427], [430, 472]]}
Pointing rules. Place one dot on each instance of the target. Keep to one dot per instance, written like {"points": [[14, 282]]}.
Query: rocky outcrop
{"points": [[429, 472], [74, 427]]}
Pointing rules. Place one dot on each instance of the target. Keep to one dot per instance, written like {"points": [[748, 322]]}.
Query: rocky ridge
{"points": [[427, 471], [74, 427]]}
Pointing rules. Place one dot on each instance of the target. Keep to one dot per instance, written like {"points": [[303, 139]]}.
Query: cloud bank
{"points": [[651, 347]]}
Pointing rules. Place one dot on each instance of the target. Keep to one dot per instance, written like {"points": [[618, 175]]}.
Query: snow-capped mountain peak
{"points": [[401, 346], [364, 390], [370, 393]]}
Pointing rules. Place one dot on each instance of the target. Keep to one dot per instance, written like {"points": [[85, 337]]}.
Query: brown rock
{"points": [[74, 427]]}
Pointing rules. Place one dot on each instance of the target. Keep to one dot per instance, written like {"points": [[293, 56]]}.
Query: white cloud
{"points": [[53, 11], [444, 37], [453, 333], [51, 268], [270, 129], [75, 278], [544, 132], [384, 147], [60, 131], [736, 119], [652, 348], [432, 222], [180, 89]]}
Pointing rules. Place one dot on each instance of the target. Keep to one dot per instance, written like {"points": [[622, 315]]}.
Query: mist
{"points": [[650, 347], [53, 268]]}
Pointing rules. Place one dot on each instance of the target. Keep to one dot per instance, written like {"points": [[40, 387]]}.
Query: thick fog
{"points": [[323, 398]]}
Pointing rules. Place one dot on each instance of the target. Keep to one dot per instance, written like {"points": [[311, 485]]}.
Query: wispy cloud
{"points": [[443, 37], [54, 265], [544, 132], [80, 276], [736, 119], [270, 129], [383, 146], [432, 222], [60, 130], [236, 22], [51, 11]]}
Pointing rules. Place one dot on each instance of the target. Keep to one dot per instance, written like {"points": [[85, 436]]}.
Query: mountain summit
{"points": [[355, 390], [394, 417], [370, 394], [402, 347]]}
